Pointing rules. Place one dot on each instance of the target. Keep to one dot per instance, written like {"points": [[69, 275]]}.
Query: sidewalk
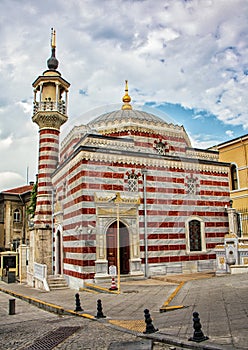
{"points": [[221, 302]]}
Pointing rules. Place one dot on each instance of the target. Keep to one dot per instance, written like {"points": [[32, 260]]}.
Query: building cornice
{"points": [[144, 160], [230, 142]]}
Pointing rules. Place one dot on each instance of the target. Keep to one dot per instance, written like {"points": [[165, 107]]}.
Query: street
{"points": [[29, 324]]}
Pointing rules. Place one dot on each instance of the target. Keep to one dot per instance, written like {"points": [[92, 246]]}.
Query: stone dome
{"points": [[125, 116]]}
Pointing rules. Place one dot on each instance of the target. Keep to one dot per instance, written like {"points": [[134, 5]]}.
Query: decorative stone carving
{"points": [[47, 120]]}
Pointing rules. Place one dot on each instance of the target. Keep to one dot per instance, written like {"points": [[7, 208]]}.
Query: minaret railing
{"points": [[49, 106]]}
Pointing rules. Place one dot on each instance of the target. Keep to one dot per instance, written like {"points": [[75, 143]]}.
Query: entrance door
{"points": [[112, 244], [124, 247]]}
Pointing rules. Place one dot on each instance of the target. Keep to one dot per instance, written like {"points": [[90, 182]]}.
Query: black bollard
{"points": [[78, 304], [99, 309], [11, 306], [149, 326], [198, 335]]}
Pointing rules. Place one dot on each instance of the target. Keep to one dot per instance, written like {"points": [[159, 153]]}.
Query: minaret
{"points": [[50, 112]]}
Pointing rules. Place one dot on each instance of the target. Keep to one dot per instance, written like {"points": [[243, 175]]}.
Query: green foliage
{"points": [[32, 206]]}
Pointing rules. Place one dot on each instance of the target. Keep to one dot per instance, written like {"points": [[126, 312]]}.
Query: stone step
{"points": [[57, 282]]}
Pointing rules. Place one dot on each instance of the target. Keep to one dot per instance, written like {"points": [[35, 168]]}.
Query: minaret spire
{"points": [[52, 62], [126, 98], [53, 38]]}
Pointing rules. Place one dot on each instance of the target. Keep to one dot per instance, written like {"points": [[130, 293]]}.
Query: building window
{"points": [[16, 243], [132, 182], [234, 177], [195, 235], [17, 215], [161, 147], [192, 184]]}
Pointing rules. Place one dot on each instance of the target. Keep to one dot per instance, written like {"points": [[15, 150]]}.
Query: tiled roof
{"points": [[19, 190]]}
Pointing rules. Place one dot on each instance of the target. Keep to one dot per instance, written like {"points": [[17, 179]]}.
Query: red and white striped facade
{"points": [[132, 171], [47, 164]]}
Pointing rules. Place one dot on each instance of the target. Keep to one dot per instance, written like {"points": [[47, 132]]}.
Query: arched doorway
{"points": [[58, 255], [124, 247]]}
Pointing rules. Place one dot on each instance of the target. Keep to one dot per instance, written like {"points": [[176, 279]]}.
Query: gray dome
{"points": [[128, 115]]}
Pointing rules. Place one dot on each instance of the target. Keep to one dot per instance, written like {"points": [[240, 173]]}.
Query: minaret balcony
{"points": [[49, 106]]}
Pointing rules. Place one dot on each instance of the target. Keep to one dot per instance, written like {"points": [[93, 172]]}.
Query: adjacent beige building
{"points": [[14, 219], [235, 152]]}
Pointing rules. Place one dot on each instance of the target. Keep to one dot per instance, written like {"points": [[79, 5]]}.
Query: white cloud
{"points": [[6, 143], [192, 53], [10, 180], [229, 133]]}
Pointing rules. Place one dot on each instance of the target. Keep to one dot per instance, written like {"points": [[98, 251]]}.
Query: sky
{"points": [[185, 60]]}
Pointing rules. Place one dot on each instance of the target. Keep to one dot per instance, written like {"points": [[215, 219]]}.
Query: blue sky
{"points": [[201, 126], [184, 59]]}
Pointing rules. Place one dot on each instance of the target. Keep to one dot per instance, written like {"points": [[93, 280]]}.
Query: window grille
{"points": [[192, 185], [132, 182], [161, 147], [195, 235]]}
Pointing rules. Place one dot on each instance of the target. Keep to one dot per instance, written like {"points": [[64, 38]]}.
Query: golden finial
{"points": [[53, 38], [52, 62], [126, 98]]}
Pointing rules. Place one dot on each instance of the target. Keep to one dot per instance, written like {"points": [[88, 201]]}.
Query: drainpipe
{"points": [[23, 220], [144, 172]]}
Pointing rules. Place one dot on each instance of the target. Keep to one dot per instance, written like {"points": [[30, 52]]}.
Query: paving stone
{"points": [[134, 345], [221, 302]]}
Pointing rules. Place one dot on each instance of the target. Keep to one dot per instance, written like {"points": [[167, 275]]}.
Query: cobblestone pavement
{"points": [[222, 303], [29, 324]]}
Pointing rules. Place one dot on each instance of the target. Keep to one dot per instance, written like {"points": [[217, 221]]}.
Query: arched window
{"points": [[234, 177], [17, 215], [195, 235]]}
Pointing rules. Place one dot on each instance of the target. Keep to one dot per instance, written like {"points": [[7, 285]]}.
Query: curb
{"points": [[59, 310]]}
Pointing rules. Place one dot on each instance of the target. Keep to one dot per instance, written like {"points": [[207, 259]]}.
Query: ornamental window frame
{"points": [[161, 147], [202, 235]]}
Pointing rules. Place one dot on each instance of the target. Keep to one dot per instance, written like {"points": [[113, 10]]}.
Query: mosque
{"points": [[126, 189]]}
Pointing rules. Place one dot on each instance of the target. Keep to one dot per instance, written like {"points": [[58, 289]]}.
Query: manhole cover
{"points": [[52, 339]]}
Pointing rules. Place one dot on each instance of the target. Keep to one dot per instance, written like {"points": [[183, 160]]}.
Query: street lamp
{"points": [[117, 199], [118, 247], [144, 172]]}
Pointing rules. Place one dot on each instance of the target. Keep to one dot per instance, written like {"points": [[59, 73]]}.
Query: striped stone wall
{"points": [[169, 206], [47, 163]]}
